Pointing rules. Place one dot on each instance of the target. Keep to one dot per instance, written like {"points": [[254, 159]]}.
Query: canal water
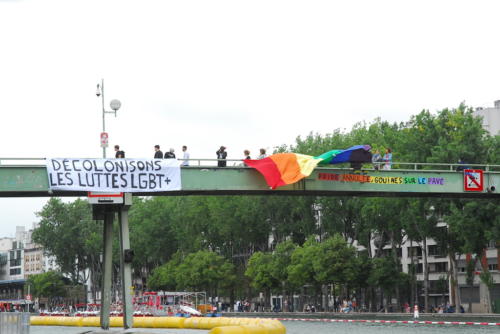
{"points": [[298, 327]]}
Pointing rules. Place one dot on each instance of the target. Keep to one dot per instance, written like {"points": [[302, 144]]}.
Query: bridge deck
{"points": [[28, 178]]}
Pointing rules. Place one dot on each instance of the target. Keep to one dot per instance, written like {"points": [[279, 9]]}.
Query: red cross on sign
{"points": [[473, 180]]}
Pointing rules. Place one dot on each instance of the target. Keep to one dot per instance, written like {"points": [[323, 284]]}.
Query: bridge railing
{"points": [[408, 166]]}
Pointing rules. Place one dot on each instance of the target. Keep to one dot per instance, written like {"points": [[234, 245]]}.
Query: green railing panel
{"points": [[23, 178], [31, 181]]}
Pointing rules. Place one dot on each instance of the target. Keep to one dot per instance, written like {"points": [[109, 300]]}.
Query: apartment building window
{"points": [[493, 267], [418, 268], [435, 250], [388, 252], [415, 251], [438, 267], [15, 262], [16, 271], [442, 230]]}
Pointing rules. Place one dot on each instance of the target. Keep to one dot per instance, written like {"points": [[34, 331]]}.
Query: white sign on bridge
{"points": [[114, 175]]}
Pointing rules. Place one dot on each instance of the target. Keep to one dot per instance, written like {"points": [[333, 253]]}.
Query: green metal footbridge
{"points": [[27, 177]]}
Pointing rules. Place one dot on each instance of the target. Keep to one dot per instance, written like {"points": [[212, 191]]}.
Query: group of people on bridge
{"points": [[379, 161]]}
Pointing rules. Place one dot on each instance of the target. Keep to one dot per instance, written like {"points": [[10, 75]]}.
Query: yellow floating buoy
{"points": [[218, 325]]}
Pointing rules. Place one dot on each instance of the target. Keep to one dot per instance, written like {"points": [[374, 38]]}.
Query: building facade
{"points": [[491, 118], [19, 259]]}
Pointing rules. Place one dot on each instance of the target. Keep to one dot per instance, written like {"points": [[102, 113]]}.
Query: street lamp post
{"points": [[108, 217], [114, 104]]}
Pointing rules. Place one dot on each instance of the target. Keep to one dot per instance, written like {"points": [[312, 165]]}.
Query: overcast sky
{"points": [[244, 74]]}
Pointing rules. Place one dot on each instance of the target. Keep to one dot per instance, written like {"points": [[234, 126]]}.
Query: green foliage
{"points": [[49, 284], [335, 261], [449, 135], [281, 259], [481, 220], [301, 270], [199, 271], [151, 234], [204, 270], [164, 276], [384, 274], [259, 271], [487, 278], [67, 231]]}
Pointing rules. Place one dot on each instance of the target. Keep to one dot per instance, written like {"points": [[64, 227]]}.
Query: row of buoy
{"points": [[221, 325], [420, 322]]}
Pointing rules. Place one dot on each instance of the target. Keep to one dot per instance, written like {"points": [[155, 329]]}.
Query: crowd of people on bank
{"points": [[338, 305]]}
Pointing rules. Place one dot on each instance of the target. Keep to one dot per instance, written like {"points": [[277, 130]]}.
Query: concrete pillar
{"points": [[126, 269], [107, 268]]}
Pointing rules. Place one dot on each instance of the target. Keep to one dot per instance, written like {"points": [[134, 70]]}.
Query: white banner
{"points": [[114, 175]]}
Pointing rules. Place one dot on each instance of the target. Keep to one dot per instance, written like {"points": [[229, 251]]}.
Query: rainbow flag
{"points": [[282, 169]]}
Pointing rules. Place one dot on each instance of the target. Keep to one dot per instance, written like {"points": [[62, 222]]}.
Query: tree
{"points": [[49, 285], [281, 259], [301, 270], [481, 221], [335, 262], [420, 223], [384, 274], [67, 232], [259, 271], [164, 276], [151, 233], [206, 271]]}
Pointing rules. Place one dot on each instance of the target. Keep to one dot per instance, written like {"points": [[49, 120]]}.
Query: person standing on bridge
{"points": [[119, 154], [158, 153], [387, 159], [185, 157], [221, 156], [170, 154], [246, 155], [376, 159], [262, 154]]}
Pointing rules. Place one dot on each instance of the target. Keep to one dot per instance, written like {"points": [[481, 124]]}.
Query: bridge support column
{"points": [[107, 267], [105, 209], [126, 257]]}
